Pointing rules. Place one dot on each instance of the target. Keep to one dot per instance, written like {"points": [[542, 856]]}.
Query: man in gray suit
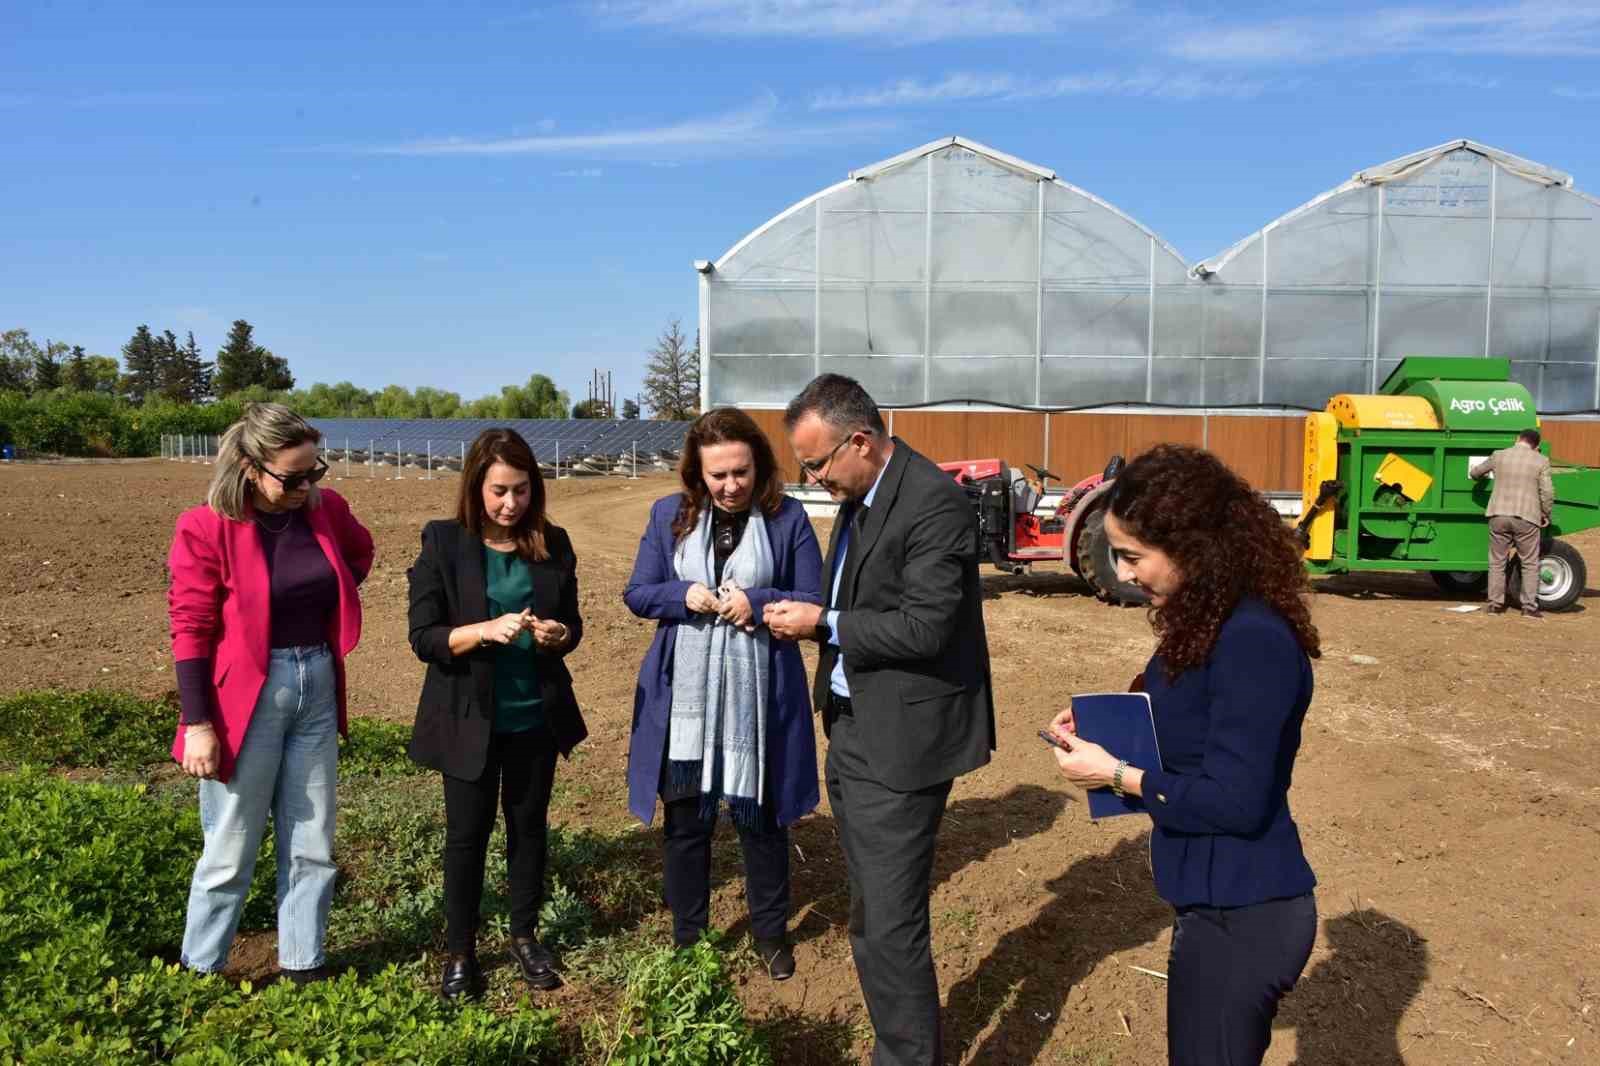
{"points": [[1519, 509], [902, 685]]}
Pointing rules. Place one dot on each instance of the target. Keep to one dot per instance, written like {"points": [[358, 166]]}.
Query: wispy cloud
{"points": [[757, 127], [1576, 92], [580, 172], [1520, 29], [886, 21], [1446, 78], [1008, 88]]}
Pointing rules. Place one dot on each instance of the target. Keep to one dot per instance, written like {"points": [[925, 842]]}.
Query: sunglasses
{"points": [[295, 482]]}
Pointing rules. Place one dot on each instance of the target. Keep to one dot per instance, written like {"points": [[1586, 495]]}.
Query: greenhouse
{"points": [[957, 274]]}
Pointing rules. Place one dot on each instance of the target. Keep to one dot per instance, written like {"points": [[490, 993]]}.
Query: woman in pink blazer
{"points": [[264, 609]]}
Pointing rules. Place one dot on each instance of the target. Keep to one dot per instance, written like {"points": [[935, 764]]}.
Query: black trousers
{"points": [[888, 839], [686, 847], [1228, 968], [518, 775]]}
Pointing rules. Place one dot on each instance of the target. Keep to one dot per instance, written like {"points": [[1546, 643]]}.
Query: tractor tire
{"points": [[1461, 584], [1562, 576], [1098, 564]]}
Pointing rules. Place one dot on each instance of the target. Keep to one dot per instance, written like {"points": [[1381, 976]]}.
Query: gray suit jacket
{"points": [[911, 629]]}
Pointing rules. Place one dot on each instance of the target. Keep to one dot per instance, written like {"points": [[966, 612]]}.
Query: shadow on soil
{"points": [[972, 830], [1101, 905], [1409, 586], [1044, 584], [1347, 1009]]}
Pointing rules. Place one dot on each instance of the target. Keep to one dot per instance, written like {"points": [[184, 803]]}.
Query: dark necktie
{"points": [[852, 558]]}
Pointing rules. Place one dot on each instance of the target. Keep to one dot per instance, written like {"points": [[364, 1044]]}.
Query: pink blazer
{"points": [[220, 603]]}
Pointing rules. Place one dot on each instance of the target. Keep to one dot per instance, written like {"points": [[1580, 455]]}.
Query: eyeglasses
{"points": [[816, 468], [294, 482]]}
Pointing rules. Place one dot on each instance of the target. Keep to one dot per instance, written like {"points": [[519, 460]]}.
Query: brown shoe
{"points": [[1537, 616], [1497, 608]]}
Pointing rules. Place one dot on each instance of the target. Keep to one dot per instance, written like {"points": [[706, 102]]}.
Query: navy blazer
{"points": [[654, 591], [1229, 732]]}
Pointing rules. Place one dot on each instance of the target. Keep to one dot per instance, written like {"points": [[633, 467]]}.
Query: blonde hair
{"points": [[253, 441]]}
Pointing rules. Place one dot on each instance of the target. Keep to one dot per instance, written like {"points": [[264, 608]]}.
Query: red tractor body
{"points": [[1013, 535]]}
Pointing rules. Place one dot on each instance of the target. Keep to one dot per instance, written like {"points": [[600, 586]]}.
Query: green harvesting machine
{"points": [[1386, 484]]}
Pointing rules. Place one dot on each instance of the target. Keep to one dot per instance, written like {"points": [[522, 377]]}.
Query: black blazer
{"points": [[448, 589], [916, 656]]}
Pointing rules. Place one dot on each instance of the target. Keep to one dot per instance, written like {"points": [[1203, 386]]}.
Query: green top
{"points": [[517, 696]]}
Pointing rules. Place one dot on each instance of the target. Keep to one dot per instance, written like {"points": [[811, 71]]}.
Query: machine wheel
{"points": [[1461, 584], [1562, 576], [1098, 565]]}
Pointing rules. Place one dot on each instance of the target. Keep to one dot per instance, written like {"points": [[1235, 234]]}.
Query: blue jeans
{"points": [[288, 765]]}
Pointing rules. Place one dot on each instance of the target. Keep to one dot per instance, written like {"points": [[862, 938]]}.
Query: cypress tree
{"points": [[141, 357]]}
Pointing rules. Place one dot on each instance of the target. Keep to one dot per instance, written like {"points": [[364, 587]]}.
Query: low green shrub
{"points": [[75, 853], [92, 728], [94, 877], [86, 423], [390, 1016], [378, 748], [680, 1010], [118, 731]]}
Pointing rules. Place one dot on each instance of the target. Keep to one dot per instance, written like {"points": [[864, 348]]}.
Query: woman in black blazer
{"points": [[494, 609]]}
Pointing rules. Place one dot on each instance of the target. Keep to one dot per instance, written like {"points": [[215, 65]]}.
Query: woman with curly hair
{"points": [[1229, 685]]}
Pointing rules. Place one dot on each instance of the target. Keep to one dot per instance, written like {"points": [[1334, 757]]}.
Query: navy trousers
{"points": [[1228, 968], [687, 844]]}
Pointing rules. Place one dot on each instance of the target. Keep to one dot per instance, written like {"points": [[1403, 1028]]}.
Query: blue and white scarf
{"points": [[718, 729]]}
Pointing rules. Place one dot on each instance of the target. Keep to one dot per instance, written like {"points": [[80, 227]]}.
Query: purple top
{"points": [[305, 592]]}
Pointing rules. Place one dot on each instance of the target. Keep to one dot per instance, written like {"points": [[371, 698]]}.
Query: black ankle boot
{"points": [[462, 977]]}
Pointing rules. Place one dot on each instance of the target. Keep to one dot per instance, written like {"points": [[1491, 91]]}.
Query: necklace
{"points": [[287, 518]]}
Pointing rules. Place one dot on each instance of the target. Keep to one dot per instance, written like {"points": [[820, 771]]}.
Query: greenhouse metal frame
{"points": [[955, 274]]}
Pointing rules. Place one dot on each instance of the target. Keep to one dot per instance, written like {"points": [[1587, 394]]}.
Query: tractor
{"points": [[1014, 536]]}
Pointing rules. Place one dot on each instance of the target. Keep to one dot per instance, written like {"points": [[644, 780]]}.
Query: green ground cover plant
{"points": [[94, 876], [95, 728]]}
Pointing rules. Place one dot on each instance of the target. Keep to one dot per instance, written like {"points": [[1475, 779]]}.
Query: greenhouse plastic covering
{"points": [[954, 272]]}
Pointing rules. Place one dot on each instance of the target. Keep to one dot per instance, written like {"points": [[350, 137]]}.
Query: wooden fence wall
{"points": [[1265, 449]]}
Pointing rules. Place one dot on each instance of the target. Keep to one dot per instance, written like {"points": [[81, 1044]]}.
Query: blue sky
{"points": [[461, 194]]}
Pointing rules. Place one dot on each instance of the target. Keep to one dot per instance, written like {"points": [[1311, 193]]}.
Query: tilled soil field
{"points": [[1445, 790]]}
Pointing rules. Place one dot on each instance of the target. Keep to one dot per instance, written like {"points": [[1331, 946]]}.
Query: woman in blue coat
{"points": [[722, 713], [1229, 687]]}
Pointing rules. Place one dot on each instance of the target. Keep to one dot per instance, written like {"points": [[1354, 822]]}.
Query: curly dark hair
{"points": [[1226, 541]]}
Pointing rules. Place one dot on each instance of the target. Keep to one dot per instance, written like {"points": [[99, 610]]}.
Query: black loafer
{"points": [[462, 978], [305, 977], [538, 965], [778, 958]]}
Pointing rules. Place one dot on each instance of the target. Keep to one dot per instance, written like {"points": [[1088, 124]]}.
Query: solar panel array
{"points": [[574, 438]]}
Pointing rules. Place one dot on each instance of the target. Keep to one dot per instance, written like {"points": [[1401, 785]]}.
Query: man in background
{"points": [[1519, 509], [902, 685]]}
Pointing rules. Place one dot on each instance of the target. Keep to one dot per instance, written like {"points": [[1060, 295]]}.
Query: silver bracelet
{"points": [[1116, 777]]}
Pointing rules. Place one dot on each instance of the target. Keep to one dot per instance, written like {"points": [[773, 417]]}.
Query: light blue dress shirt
{"points": [[836, 680]]}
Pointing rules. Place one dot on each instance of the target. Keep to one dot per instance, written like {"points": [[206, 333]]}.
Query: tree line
{"points": [[157, 367], [57, 398]]}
